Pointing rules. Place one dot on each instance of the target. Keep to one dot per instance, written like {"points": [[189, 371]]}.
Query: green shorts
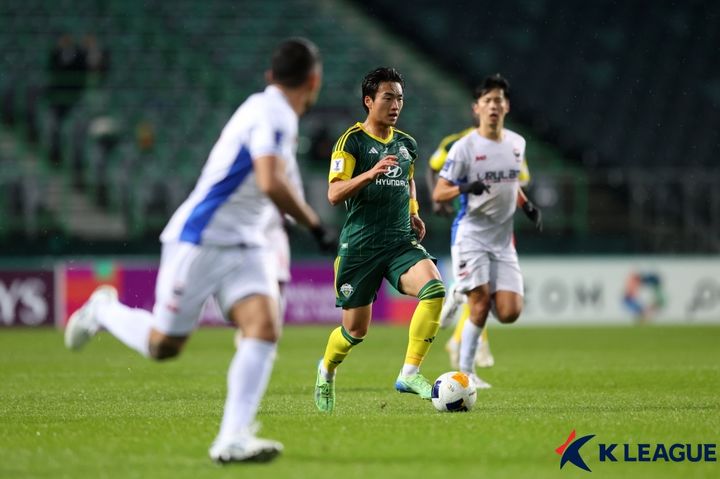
{"points": [[358, 278]]}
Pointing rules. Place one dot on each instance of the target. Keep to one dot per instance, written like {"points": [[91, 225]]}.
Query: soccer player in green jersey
{"points": [[371, 170]]}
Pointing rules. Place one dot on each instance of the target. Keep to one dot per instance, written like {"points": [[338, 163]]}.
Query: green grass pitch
{"points": [[106, 412]]}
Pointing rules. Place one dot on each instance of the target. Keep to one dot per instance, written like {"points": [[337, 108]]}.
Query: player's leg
{"points": [[479, 304], [423, 281], [483, 356], [507, 287], [249, 297], [453, 344], [161, 334], [472, 268], [508, 305], [356, 284]]}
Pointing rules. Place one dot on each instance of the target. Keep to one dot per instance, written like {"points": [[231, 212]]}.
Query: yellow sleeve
{"points": [[524, 177], [437, 160], [342, 165], [411, 173]]}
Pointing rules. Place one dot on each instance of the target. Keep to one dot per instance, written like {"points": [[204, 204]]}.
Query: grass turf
{"points": [[106, 412]]}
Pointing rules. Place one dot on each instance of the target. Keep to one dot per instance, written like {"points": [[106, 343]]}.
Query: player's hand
{"points": [[418, 226], [443, 209], [326, 240], [534, 213], [477, 187], [383, 166]]}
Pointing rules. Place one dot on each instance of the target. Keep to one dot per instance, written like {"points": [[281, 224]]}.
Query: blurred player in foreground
{"points": [[483, 168], [455, 310], [216, 245], [371, 170]]}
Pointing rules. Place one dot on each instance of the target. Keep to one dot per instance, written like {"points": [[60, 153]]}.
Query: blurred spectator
{"points": [[97, 61], [145, 136], [67, 68], [321, 144]]}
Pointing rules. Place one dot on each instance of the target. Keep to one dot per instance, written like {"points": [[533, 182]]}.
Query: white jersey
{"points": [[226, 207], [485, 222]]}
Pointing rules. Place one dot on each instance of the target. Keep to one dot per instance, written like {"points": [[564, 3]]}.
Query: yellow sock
{"points": [[425, 322], [457, 334], [338, 347]]}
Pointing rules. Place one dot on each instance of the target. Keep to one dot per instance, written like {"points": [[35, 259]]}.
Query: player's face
{"points": [[492, 107], [385, 107]]}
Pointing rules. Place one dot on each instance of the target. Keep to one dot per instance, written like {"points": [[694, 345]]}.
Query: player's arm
{"points": [[523, 202], [446, 190], [416, 223], [341, 189], [272, 181], [435, 164]]}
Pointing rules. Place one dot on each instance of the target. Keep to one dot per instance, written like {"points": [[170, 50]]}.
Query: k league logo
{"points": [[643, 452], [570, 451]]}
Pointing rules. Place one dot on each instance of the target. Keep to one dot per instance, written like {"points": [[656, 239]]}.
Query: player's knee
{"points": [[433, 292], [165, 348], [508, 313], [358, 332]]}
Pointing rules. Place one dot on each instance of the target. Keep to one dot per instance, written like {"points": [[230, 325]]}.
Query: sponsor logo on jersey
{"points": [[404, 153], [502, 176], [394, 171], [481, 158], [338, 164], [346, 290], [373, 151]]}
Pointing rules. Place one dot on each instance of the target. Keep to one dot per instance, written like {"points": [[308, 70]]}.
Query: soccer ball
{"points": [[453, 392]]}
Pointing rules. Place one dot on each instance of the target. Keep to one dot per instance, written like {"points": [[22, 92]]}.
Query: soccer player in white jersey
{"points": [[483, 168], [216, 245]]}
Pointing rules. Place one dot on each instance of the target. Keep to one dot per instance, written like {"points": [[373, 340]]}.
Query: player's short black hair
{"points": [[492, 82], [371, 82], [293, 60]]}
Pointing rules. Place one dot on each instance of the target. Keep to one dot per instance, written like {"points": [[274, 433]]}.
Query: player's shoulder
{"points": [[401, 135], [464, 140], [513, 136], [348, 137]]}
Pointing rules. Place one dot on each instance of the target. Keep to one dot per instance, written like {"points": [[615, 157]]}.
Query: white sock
{"points": [[410, 369], [468, 346], [329, 376], [129, 325], [248, 378]]}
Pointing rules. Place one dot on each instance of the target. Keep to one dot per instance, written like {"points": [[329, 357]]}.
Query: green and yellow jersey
{"points": [[378, 215], [437, 160]]}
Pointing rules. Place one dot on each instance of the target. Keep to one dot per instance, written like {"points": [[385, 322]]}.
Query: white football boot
{"points": [[245, 447], [477, 382], [83, 323]]}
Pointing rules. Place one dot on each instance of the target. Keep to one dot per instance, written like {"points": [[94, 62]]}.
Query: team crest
{"points": [[404, 153], [516, 152], [346, 290]]}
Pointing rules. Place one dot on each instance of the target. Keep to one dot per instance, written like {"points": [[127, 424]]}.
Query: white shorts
{"points": [[190, 274], [475, 268], [277, 239]]}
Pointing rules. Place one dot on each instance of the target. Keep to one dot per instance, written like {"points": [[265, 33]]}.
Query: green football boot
{"points": [[415, 384], [324, 392]]}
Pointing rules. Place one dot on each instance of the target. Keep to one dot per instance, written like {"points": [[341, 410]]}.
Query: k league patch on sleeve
{"points": [[338, 165]]}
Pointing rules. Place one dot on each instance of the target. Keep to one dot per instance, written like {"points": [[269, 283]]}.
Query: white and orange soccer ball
{"points": [[453, 392]]}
